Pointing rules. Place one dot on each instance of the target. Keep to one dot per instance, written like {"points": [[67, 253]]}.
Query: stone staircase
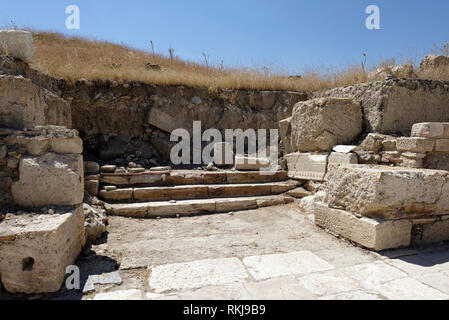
{"points": [[167, 193]]}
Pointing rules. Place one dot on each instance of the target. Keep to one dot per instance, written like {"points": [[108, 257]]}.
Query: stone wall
{"points": [[41, 166], [393, 106]]}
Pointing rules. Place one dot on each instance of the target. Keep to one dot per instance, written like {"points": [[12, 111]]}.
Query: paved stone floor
{"points": [[269, 253]]}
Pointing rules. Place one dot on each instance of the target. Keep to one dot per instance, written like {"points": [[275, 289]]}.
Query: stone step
{"points": [[190, 177], [193, 207], [202, 191]]}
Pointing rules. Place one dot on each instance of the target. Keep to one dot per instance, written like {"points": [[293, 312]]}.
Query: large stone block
{"points": [[307, 166], [24, 104], [320, 124], [376, 234], [34, 257], [431, 130], [342, 158], [393, 192], [434, 61], [165, 121], [18, 44], [50, 179], [418, 145], [394, 106]]}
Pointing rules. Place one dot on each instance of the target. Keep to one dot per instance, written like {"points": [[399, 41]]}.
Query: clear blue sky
{"points": [[285, 34]]}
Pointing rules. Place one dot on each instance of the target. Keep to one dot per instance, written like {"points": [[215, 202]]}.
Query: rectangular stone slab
{"points": [[370, 233], [307, 166], [33, 259], [392, 192]]}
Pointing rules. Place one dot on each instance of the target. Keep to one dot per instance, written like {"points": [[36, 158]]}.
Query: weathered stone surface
{"points": [[91, 167], [432, 232], [66, 145], [370, 233], [282, 288], [166, 122], [342, 158], [18, 44], [111, 278], [171, 193], [255, 177], [95, 222], [235, 291], [251, 163], [328, 283], [394, 106], [223, 154], [235, 204], [434, 61], [387, 191], [299, 193], [307, 166], [285, 264], [409, 289], [3, 151], [285, 133], [44, 245], [320, 124], [191, 275], [398, 71], [418, 145], [442, 145], [34, 146], [373, 142], [273, 201], [371, 275], [117, 195], [24, 104], [56, 180], [431, 130], [108, 169], [92, 186]]}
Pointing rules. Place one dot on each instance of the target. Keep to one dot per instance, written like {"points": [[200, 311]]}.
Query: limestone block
{"points": [[344, 149], [320, 124], [307, 166], [411, 163], [431, 130], [387, 191], [91, 187], [166, 122], [117, 195], [18, 44], [251, 163], [223, 154], [418, 145], [34, 146], [434, 61], [373, 142], [35, 260], [442, 145], [370, 233], [394, 106], [341, 158], [24, 104], [389, 145], [433, 232], [285, 134], [67, 145], [50, 179]]}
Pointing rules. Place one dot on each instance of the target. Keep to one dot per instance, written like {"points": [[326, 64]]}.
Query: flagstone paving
{"points": [[270, 253]]}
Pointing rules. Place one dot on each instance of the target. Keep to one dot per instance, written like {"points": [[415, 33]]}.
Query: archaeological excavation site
{"points": [[351, 201]]}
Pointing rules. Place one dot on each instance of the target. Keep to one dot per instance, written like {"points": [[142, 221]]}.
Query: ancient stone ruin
{"points": [[369, 161]]}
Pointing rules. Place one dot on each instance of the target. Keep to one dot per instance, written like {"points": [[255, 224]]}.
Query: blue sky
{"points": [[284, 34]]}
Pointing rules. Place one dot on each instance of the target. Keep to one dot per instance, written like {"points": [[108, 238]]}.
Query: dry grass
{"points": [[76, 58]]}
